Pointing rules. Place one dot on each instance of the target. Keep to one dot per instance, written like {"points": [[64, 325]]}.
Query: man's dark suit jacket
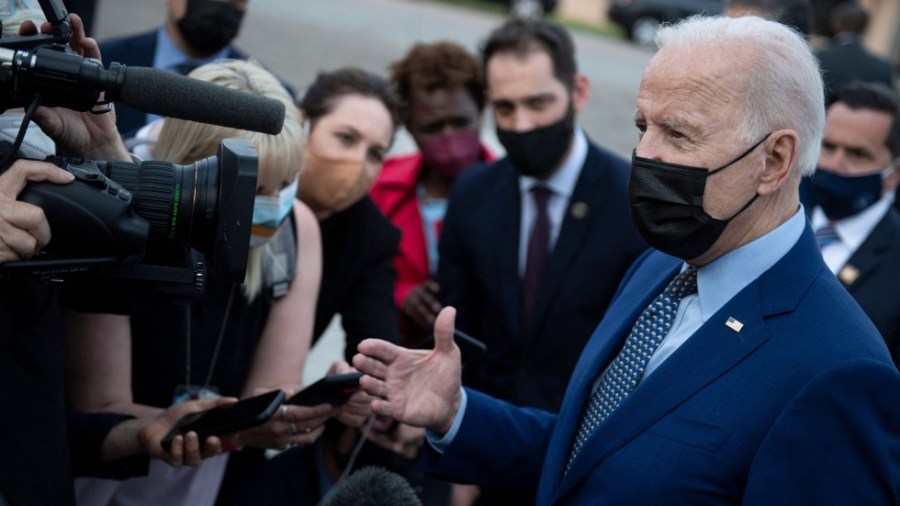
{"points": [[846, 60], [139, 51], [872, 276], [801, 406], [478, 274]]}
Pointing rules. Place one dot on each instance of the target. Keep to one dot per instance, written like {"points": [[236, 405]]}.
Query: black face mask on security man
{"points": [[538, 151], [208, 26], [666, 202]]}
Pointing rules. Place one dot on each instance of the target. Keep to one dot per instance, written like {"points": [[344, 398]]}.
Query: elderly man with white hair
{"points": [[731, 367]]}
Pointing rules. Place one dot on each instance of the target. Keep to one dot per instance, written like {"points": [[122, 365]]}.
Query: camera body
{"points": [[154, 221]]}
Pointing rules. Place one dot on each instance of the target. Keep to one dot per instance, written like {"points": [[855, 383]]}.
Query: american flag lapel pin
{"points": [[734, 324]]}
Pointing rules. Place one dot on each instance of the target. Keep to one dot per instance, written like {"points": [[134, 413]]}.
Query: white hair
{"points": [[784, 83]]}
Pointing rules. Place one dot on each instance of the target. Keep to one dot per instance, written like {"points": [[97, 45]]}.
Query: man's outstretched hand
{"points": [[416, 387]]}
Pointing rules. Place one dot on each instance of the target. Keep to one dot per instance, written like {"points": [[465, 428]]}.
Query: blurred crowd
{"points": [[749, 145]]}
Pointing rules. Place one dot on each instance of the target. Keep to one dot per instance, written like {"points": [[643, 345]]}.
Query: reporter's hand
{"points": [[289, 426], [421, 304], [356, 410], [417, 387], [80, 133], [185, 449], [23, 227]]}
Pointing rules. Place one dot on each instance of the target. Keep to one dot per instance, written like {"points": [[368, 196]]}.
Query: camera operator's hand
{"points": [[23, 227], [80, 133]]}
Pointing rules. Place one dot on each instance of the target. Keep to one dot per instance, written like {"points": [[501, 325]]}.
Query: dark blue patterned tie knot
{"points": [[625, 371]]}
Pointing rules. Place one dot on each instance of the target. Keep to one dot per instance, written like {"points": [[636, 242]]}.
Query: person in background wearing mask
{"points": [[195, 32], [351, 115], [441, 90], [731, 367], [235, 339], [521, 238], [857, 227]]}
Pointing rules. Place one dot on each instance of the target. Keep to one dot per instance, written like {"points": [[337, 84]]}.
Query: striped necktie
{"points": [[825, 235], [625, 371]]}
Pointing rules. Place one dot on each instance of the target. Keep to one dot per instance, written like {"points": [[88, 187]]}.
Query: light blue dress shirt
{"points": [[717, 283]]}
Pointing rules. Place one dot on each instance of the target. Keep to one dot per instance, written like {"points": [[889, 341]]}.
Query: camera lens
{"points": [[179, 201]]}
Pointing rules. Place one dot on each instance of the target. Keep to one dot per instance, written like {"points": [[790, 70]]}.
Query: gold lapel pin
{"points": [[579, 210], [734, 324], [848, 274]]}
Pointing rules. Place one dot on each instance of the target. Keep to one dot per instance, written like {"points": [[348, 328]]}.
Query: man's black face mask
{"points": [[537, 152], [208, 26], [666, 202]]}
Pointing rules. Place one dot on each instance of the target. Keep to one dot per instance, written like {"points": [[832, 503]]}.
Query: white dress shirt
{"points": [[852, 231]]}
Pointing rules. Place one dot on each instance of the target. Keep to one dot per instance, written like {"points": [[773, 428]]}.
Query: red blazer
{"points": [[395, 194]]}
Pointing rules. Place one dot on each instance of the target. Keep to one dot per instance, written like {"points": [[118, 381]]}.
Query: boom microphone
{"points": [[176, 96], [62, 78]]}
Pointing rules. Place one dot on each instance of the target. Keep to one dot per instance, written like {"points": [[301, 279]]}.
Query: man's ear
{"points": [[782, 151], [892, 181], [581, 90]]}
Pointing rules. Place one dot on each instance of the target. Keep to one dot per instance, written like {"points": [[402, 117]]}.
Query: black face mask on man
{"points": [[208, 26], [538, 151], [666, 202]]}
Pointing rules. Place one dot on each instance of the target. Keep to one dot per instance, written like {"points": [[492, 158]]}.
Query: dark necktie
{"points": [[625, 371], [538, 251], [825, 235]]}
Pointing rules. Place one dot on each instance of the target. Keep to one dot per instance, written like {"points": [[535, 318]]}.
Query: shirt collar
{"points": [[853, 230], [722, 279], [168, 54], [562, 182]]}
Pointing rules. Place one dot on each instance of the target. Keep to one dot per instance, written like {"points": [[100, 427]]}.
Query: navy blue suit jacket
{"points": [[802, 406], [872, 276], [479, 275]]}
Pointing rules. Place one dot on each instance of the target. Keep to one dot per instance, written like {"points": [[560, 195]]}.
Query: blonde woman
{"points": [[235, 339]]}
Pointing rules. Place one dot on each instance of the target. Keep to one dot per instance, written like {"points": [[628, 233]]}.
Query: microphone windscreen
{"points": [[171, 95], [372, 486]]}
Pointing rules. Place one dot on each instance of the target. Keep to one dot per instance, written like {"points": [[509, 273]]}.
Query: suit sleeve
{"points": [[837, 442], [498, 443]]}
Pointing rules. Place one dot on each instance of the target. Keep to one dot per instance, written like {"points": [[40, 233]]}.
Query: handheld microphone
{"points": [[62, 78], [372, 486]]}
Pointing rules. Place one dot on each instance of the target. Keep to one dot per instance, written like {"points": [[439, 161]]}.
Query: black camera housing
{"points": [[153, 221]]}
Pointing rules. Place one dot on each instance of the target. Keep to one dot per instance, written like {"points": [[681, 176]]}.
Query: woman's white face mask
{"points": [[269, 213]]}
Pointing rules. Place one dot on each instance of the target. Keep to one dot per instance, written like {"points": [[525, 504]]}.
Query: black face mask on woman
{"points": [[666, 202]]}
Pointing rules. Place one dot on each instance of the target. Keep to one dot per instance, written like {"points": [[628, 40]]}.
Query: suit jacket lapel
{"points": [[709, 353], [504, 233], [575, 228], [603, 346], [868, 257]]}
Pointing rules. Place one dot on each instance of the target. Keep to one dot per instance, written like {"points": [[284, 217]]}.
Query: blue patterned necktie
{"points": [[625, 371], [825, 235]]}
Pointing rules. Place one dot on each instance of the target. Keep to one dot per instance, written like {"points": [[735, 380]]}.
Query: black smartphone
{"points": [[469, 347], [224, 420], [334, 389]]}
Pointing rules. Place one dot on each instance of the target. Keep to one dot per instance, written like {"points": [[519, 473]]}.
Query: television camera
{"points": [[153, 221]]}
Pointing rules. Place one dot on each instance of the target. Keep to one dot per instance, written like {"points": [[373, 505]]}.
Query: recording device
{"points": [[372, 486], [334, 389], [152, 221], [224, 420]]}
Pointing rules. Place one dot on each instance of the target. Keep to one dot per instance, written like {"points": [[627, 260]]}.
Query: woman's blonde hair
{"points": [[280, 156]]}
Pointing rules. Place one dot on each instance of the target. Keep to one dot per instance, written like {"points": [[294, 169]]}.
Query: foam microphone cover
{"points": [[172, 95], [372, 486]]}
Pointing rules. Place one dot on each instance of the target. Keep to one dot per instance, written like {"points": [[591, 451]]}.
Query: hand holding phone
{"points": [[334, 389], [227, 419]]}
